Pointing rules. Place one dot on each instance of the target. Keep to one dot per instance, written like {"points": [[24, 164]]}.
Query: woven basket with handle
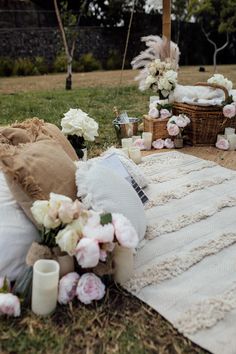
{"points": [[206, 122]]}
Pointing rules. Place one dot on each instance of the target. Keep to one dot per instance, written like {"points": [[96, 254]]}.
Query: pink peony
{"points": [[66, 212], [222, 144], [100, 233], [67, 288], [169, 144], [124, 231], [181, 121], [139, 143], [165, 113], [153, 112], [229, 110], [90, 288], [9, 305], [158, 144], [87, 253], [173, 129]]}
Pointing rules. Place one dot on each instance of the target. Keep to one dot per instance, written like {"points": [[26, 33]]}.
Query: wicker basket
{"points": [[206, 122], [156, 127]]}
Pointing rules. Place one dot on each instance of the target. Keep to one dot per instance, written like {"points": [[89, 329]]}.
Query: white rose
{"points": [[164, 84], [39, 210], [150, 80], [171, 76], [67, 239]]}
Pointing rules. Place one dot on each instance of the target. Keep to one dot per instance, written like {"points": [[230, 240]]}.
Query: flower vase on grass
{"points": [[79, 128]]}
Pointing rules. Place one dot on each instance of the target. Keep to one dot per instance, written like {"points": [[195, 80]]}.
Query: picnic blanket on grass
{"points": [[186, 267]]}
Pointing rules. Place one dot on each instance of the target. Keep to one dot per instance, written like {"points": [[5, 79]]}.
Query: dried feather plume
{"points": [[157, 48]]}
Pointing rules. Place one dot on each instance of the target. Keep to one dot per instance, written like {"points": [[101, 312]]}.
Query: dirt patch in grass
{"points": [[188, 75]]}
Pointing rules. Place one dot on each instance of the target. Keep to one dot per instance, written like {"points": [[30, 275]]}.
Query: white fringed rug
{"points": [[186, 266]]}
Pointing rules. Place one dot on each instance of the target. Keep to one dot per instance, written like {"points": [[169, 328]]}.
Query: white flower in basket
{"points": [[219, 79]]}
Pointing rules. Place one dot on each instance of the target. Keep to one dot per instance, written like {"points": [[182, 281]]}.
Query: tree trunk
{"points": [[217, 50]]}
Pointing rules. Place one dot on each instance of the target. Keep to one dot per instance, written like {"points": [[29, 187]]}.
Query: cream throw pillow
{"points": [[103, 190], [16, 233]]}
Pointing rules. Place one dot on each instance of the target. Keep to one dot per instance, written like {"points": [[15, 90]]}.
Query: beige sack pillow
{"points": [[34, 170]]}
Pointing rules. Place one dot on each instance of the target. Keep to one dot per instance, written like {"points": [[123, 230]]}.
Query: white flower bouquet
{"points": [[160, 78], [79, 127]]}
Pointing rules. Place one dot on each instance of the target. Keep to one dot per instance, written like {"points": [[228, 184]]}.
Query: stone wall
{"points": [[27, 31]]}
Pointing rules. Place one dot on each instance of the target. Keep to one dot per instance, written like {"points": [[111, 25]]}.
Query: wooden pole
{"points": [[166, 23]]}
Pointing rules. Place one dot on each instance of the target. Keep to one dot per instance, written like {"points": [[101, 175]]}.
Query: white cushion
{"points": [[104, 190], [16, 233], [131, 167]]}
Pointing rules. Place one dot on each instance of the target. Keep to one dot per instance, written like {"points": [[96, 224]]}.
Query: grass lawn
{"points": [[120, 323]]}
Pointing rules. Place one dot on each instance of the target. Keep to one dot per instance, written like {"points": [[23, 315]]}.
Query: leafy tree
{"points": [[214, 16]]}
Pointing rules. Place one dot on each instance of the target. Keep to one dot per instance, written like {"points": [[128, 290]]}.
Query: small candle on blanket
{"points": [[229, 131], [147, 139], [126, 142], [135, 154], [232, 142]]}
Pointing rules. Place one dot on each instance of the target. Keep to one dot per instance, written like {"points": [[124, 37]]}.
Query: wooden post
{"points": [[166, 23]]}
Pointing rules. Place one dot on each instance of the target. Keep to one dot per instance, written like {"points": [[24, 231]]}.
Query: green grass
{"points": [[120, 323], [97, 102]]}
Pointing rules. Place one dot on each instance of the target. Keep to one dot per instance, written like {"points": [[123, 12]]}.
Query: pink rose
{"points": [[165, 113], [169, 144], [153, 112], [173, 129], [87, 253], [67, 288], [139, 143], [100, 233], [229, 110], [222, 144], [158, 144], [9, 305], [90, 288], [124, 231], [66, 212]]}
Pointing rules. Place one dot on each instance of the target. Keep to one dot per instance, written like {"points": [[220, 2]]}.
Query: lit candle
{"points": [[45, 286], [229, 131], [232, 141], [135, 154], [126, 142], [124, 264], [136, 137], [147, 138]]}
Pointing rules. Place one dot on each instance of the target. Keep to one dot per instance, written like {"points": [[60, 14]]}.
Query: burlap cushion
{"points": [[33, 170], [32, 130]]}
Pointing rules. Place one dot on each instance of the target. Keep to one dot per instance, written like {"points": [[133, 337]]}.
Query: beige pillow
{"points": [[35, 129], [33, 170]]}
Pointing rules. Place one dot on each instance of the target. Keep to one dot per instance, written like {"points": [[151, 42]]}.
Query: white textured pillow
{"points": [[131, 167], [16, 233], [103, 190]]}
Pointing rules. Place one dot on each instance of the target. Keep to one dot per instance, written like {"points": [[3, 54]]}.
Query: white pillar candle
{"points": [[124, 264], [147, 139], [136, 137], [126, 142], [229, 131], [220, 136], [125, 151], [45, 286], [153, 99], [135, 154], [232, 141]]}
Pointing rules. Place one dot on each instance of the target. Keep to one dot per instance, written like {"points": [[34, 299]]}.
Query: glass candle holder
{"points": [[126, 142], [232, 142], [135, 154], [147, 138], [45, 286], [229, 131]]}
